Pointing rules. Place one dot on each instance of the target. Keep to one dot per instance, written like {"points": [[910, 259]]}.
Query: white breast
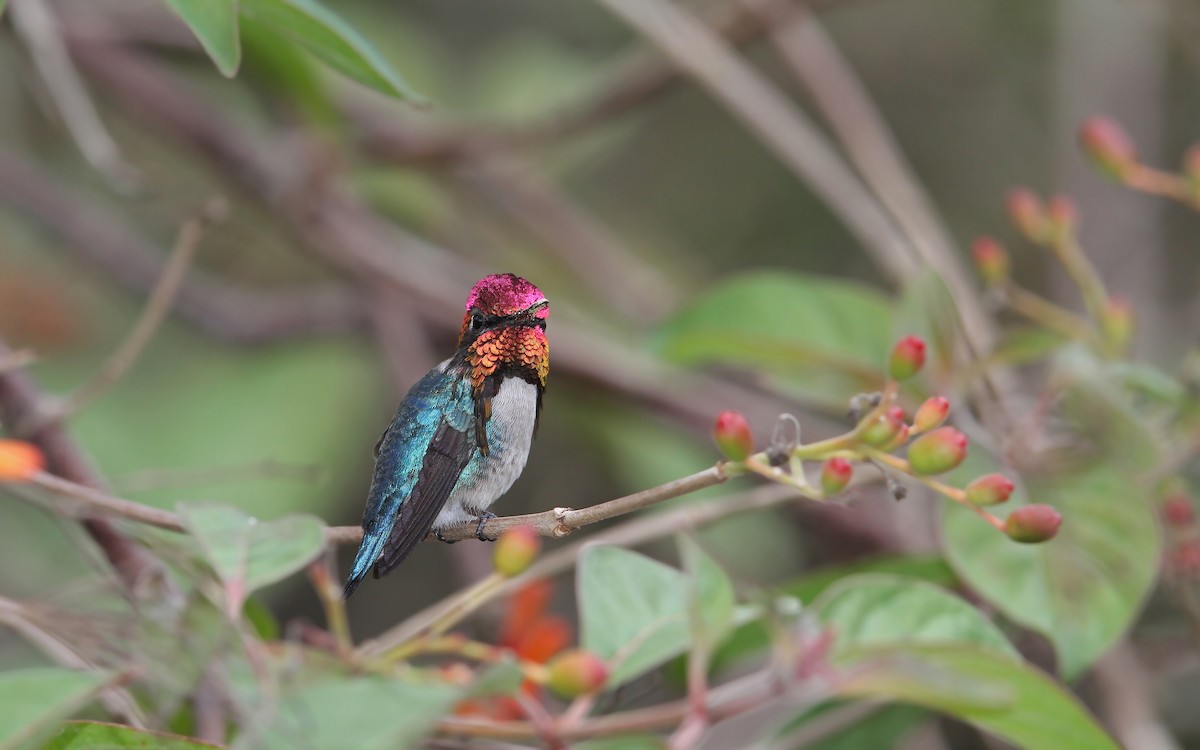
{"points": [[486, 478]]}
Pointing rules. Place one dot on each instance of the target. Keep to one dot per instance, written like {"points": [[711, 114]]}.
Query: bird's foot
{"points": [[438, 533], [484, 517]]}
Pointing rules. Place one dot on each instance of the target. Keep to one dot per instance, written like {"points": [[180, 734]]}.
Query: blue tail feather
{"points": [[368, 552]]}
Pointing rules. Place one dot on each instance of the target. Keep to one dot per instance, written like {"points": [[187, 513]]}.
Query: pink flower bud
{"points": [[19, 461], [885, 428], [908, 357], [1117, 323], [1178, 511], [1032, 524], [1108, 147], [937, 452], [931, 414], [576, 672], [991, 260], [515, 550], [835, 475], [1027, 214], [732, 433], [990, 489], [1184, 558]]}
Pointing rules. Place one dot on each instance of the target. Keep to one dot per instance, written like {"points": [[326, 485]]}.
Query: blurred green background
{"points": [[674, 194]]}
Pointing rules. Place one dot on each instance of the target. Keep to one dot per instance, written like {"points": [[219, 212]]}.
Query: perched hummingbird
{"points": [[461, 435]]}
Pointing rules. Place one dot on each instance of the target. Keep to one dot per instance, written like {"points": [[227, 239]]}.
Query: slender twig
{"points": [[152, 317], [36, 23], [1046, 313], [320, 573], [779, 124]]}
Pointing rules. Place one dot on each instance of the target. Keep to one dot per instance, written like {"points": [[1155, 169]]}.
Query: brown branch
{"points": [[20, 397]]}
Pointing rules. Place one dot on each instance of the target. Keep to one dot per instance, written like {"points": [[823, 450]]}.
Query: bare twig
{"points": [[155, 312], [767, 113], [870, 145], [233, 313], [37, 25]]}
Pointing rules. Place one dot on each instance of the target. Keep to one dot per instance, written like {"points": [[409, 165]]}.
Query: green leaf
{"points": [[327, 36], [215, 24], [824, 337], [3, 5], [710, 593], [876, 610], [633, 611], [283, 69], [752, 637], [366, 712], [992, 691], [247, 554], [1083, 588], [98, 735], [33, 701], [885, 727], [1020, 346]]}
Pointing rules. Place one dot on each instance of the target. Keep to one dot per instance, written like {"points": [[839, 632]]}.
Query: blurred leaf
{"points": [[753, 637], [992, 691], [1151, 382], [33, 701], [1020, 346], [285, 69], [877, 609], [825, 337], [215, 24], [247, 554], [1102, 411], [633, 611], [261, 619], [96, 735], [330, 38], [365, 712], [3, 5], [884, 728], [504, 678], [710, 593], [1082, 589], [926, 309]]}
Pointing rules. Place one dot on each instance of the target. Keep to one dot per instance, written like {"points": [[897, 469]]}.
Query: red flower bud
{"points": [[937, 452], [991, 260], [908, 357], [1027, 214], [990, 489], [515, 550], [885, 428], [835, 475], [1108, 147], [19, 461], [931, 414], [732, 433], [1032, 524], [577, 672], [1117, 323], [1178, 510]]}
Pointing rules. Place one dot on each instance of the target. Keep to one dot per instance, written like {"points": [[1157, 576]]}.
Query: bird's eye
{"points": [[476, 321]]}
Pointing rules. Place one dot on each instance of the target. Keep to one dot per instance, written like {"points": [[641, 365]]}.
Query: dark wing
{"points": [[445, 458]]}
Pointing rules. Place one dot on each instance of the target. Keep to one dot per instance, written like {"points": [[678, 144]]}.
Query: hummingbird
{"points": [[461, 435]]}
